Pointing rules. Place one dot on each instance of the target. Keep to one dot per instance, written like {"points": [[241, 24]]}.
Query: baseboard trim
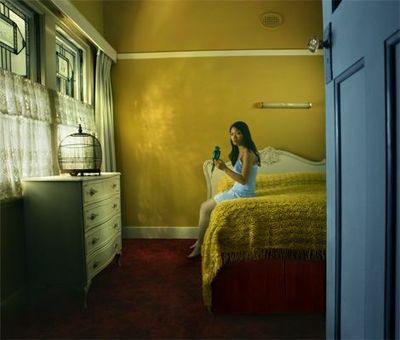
{"points": [[131, 232]]}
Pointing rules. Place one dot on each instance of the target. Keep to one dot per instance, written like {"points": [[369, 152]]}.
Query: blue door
{"points": [[362, 71]]}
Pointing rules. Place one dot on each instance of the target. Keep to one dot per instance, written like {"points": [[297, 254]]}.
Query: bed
{"points": [[267, 254]]}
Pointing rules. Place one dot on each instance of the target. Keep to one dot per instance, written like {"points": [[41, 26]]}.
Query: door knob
{"points": [[314, 44]]}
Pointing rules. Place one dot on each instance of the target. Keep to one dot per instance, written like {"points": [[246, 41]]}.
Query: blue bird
{"points": [[215, 156]]}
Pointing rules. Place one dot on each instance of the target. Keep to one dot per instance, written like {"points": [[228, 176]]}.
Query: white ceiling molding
{"points": [[213, 54], [69, 10]]}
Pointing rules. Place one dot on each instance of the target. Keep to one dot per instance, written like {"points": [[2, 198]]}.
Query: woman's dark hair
{"points": [[247, 142]]}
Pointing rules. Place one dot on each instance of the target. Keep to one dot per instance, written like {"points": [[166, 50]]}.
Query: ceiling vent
{"points": [[271, 19]]}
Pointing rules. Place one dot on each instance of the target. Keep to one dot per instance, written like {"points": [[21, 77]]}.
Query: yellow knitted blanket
{"points": [[286, 219]]}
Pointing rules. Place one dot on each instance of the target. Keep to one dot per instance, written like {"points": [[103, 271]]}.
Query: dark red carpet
{"points": [[155, 294]]}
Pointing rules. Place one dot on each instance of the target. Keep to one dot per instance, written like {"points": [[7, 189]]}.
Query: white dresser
{"points": [[73, 229]]}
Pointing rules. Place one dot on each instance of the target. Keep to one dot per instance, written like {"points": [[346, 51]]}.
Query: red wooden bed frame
{"points": [[270, 286]]}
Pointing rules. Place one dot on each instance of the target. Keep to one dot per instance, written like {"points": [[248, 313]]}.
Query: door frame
{"points": [[392, 253]]}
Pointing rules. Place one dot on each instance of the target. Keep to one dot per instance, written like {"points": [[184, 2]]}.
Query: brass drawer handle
{"points": [[92, 191], [93, 216]]}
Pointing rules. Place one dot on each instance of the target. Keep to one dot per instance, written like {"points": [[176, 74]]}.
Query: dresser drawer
{"points": [[103, 256], [103, 233], [94, 191], [101, 212]]}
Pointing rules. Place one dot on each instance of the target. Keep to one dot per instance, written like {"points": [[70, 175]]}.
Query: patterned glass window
{"points": [[69, 67], [18, 45]]}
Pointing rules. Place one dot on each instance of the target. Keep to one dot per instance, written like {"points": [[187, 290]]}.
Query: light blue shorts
{"points": [[228, 195]]}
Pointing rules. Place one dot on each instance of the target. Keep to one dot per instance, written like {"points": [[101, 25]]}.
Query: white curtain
{"points": [[28, 126], [70, 113], [104, 111], [25, 132]]}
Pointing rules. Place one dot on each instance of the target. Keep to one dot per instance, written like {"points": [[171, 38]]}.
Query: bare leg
{"points": [[202, 212], [205, 212]]}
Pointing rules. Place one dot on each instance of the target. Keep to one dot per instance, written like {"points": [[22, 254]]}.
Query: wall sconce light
{"points": [[270, 105]]}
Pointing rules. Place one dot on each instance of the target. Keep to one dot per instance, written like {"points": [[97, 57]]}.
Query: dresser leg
{"points": [[119, 259], [85, 295]]}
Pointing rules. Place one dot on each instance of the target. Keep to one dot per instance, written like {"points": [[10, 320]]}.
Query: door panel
{"points": [[360, 243], [397, 225], [393, 140], [351, 116]]}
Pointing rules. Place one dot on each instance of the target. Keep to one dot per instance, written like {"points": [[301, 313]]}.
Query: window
{"points": [[69, 59], [18, 45], [39, 111]]}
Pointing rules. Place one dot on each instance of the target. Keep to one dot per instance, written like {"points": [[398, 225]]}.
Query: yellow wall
{"points": [[175, 25], [93, 11], [169, 113]]}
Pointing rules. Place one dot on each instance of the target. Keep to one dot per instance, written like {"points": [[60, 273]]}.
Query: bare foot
{"points": [[195, 253]]}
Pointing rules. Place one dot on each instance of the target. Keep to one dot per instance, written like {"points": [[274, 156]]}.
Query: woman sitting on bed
{"points": [[245, 157]]}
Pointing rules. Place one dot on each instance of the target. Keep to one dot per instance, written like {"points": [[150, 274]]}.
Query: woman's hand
{"points": [[220, 164]]}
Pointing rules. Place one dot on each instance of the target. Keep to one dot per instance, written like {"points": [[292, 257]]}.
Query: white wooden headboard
{"points": [[272, 161]]}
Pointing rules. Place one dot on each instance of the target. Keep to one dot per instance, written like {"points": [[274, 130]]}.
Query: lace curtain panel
{"points": [[29, 125], [70, 113], [25, 136]]}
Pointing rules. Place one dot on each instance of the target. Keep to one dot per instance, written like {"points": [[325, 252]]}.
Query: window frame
{"points": [[32, 43], [72, 47], [49, 20]]}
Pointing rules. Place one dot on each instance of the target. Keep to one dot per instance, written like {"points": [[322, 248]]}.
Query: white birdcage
{"points": [[79, 153]]}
